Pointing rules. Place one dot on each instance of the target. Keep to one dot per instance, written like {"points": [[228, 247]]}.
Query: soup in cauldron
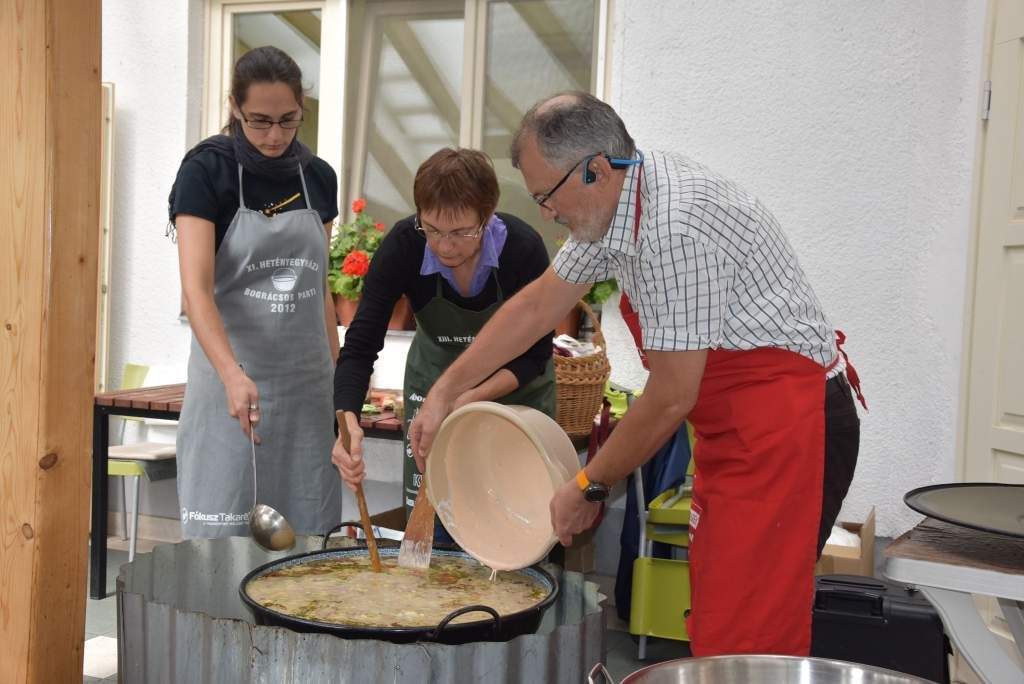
{"points": [[346, 591]]}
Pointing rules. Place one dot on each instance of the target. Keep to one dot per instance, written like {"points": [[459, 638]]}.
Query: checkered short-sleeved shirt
{"points": [[709, 269]]}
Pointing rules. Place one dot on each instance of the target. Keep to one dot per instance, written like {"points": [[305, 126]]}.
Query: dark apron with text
{"points": [[443, 332]]}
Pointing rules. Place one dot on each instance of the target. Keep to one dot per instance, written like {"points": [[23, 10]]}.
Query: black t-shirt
{"points": [[395, 270], [207, 187]]}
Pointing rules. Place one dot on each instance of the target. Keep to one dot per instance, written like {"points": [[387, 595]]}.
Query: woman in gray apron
{"points": [[456, 260], [254, 283]]}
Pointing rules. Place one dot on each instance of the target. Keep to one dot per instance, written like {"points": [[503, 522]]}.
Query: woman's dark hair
{"points": [[266, 64]]}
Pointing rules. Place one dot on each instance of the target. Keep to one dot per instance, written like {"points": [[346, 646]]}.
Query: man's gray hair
{"points": [[571, 125]]}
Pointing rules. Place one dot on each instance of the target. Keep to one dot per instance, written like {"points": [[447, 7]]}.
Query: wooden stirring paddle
{"points": [[418, 542], [364, 513]]}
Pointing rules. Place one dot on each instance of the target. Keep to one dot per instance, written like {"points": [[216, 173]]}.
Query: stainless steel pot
{"points": [[758, 669]]}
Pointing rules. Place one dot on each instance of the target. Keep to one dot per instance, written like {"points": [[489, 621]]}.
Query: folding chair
{"points": [[155, 460]]}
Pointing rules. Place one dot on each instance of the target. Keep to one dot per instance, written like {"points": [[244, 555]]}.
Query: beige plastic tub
{"points": [[490, 475]]}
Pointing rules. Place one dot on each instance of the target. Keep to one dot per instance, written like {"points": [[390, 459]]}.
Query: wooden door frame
{"points": [[963, 408], [49, 217]]}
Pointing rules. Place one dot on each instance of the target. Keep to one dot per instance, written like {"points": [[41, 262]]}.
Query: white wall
{"points": [[855, 123], [146, 54], [155, 62]]}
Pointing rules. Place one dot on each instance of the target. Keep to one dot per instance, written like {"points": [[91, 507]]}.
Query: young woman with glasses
{"points": [[457, 260], [252, 210]]}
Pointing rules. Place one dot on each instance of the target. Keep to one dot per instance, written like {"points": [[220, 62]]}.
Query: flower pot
{"points": [[401, 317], [345, 309]]}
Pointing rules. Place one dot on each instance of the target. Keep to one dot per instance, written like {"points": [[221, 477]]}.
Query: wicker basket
{"points": [[579, 384]]}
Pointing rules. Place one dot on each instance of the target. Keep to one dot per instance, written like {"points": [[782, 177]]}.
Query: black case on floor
{"points": [[876, 622]]}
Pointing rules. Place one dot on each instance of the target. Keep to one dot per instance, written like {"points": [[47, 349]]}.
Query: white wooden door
{"points": [[995, 411]]}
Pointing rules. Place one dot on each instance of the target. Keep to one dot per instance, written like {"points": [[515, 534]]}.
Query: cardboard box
{"points": [[844, 560]]}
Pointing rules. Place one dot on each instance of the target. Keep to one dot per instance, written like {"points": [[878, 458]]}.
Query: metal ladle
{"points": [[269, 528]]}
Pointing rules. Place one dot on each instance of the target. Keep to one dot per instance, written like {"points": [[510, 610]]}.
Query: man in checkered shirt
{"points": [[736, 342]]}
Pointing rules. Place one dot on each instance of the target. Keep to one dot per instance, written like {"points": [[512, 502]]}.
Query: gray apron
{"points": [[443, 332], [269, 288]]}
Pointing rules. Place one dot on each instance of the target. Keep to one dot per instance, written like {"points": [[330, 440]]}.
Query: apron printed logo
{"points": [[214, 518], [282, 297], [460, 339], [284, 279], [280, 263]]}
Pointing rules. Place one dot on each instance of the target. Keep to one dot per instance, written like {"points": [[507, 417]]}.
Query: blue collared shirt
{"points": [[491, 244]]}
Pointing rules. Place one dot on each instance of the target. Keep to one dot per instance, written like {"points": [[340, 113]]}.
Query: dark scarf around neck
{"points": [[238, 149]]}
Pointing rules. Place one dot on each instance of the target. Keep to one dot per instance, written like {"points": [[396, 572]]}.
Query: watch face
{"points": [[595, 493]]}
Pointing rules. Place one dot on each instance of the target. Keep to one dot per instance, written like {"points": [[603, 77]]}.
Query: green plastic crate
{"points": [[661, 598]]}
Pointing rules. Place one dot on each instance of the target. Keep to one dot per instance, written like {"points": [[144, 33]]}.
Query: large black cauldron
{"points": [[494, 627]]}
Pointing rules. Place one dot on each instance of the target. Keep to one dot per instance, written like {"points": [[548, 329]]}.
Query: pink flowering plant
{"points": [[352, 247]]}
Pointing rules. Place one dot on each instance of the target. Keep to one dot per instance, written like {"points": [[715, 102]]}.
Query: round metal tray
{"points": [[986, 506]]}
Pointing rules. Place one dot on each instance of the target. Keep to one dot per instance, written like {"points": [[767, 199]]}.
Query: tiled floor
{"points": [[622, 650], [101, 627], [100, 663]]}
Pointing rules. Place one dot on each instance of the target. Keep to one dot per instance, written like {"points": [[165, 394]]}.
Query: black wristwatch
{"points": [[595, 492]]}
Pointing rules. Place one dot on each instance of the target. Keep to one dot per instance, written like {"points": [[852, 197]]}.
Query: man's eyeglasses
{"points": [[264, 124], [614, 162], [436, 235], [543, 197]]}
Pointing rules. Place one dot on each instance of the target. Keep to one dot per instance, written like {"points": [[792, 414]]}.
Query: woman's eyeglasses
{"points": [[457, 234], [264, 124]]}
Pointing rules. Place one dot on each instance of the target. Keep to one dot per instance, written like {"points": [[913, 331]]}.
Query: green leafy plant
{"points": [[599, 291], [352, 247]]}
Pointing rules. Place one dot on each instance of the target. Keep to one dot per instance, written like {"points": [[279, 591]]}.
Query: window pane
{"points": [[414, 106], [297, 33], [534, 48]]}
